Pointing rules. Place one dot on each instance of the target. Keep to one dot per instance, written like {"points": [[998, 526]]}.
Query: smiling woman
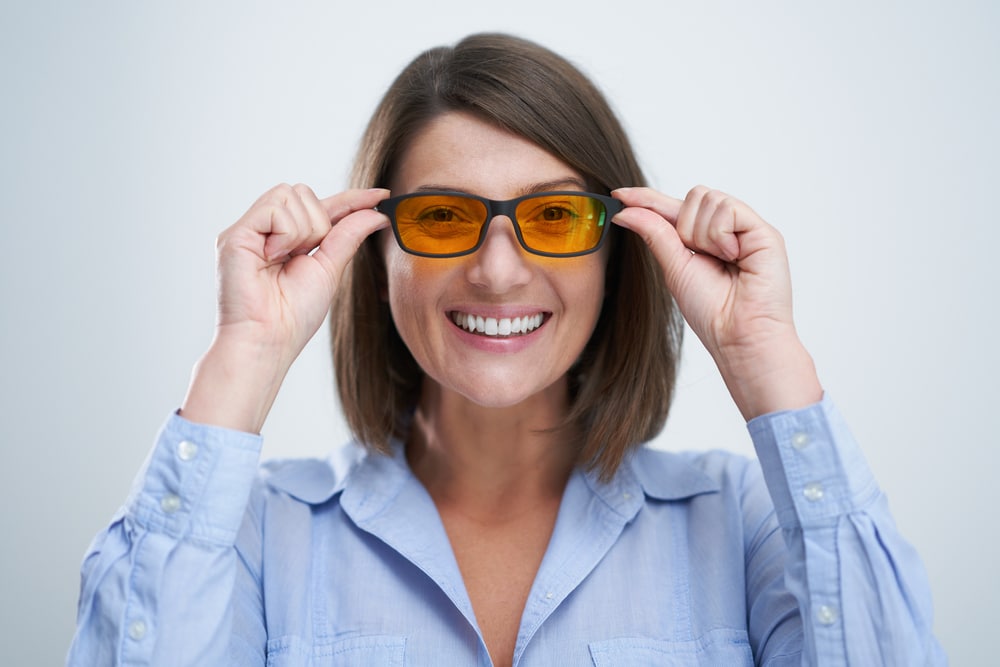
{"points": [[502, 354]]}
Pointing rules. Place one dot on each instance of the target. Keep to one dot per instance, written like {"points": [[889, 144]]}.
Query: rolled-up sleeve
{"points": [[861, 588], [156, 584]]}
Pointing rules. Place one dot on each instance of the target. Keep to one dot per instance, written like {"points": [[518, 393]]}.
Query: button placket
{"points": [[800, 440], [170, 503], [137, 629], [827, 614], [187, 450], [813, 492]]}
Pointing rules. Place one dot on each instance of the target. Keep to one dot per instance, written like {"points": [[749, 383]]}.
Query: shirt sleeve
{"points": [[156, 585], [862, 590]]}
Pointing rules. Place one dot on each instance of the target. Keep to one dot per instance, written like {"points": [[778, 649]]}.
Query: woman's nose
{"points": [[500, 264]]}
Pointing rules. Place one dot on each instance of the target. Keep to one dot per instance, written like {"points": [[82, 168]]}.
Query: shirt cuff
{"points": [[814, 469], [196, 482]]}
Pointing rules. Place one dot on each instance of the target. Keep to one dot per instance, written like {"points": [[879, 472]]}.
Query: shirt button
{"points": [[137, 630], [548, 596], [186, 450], [800, 440], [826, 615], [170, 503], [813, 492]]}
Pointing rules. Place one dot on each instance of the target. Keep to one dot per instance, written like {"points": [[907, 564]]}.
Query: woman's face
{"points": [[500, 280]]}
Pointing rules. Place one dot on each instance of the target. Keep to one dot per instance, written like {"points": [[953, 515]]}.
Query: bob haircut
{"points": [[622, 385]]}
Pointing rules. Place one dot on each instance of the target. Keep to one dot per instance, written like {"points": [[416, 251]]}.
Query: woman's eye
{"points": [[553, 214], [439, 215]]}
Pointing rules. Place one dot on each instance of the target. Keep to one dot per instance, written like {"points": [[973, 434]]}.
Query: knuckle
{"points": [[281, 192], [225, 241], [303, 190], [281, 219], [727, 207], [697, 192], [715, 198]]}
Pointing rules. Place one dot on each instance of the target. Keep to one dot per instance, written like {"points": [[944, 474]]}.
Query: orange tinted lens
{"points": [[440, 224], [561, 224]]}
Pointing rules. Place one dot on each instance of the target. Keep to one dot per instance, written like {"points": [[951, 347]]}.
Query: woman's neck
{"points": [[492, 463]]}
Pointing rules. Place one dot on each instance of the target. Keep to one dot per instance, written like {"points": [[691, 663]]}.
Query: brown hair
{"points": [[622, 385]]}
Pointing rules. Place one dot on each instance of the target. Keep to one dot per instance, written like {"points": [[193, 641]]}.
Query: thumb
{"points": [[662, 239], [342, 243]]}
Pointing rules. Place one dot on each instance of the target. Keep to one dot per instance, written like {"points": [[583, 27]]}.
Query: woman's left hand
{"points": [[728, 272]]}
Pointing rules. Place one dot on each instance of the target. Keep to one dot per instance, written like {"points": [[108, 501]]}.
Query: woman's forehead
{"points": [[458, 151]]}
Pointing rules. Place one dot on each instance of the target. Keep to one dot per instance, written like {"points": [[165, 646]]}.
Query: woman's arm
{"points": [[862, 592], [727, 270], [278, 269], [158, 584], [861, 589]]}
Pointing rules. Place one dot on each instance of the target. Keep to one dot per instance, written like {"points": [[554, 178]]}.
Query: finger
{"points": [[343, 241], [662, 238], [284, 232], [666, 206], [314, 214], [344, 203], [278, 219], [719, 235], [714, 225], [688, 215], [302, 230], [305, 236]]}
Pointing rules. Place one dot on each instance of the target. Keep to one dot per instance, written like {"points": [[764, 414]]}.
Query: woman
{"points": [[502, 350]]}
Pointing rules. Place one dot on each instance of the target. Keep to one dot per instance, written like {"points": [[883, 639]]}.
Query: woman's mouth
{"points": [[497, 326]]}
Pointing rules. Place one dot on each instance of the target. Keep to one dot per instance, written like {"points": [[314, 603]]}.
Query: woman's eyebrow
{"points": [[434, 187], [569, 183]]}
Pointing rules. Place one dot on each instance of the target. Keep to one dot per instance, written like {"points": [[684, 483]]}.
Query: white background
{"points": [[133, 132]]}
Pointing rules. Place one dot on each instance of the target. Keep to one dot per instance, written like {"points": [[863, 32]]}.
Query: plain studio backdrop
{"points": [[133, 132]]}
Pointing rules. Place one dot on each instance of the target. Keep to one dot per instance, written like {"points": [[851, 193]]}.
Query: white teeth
{"points": [[493, 326]]}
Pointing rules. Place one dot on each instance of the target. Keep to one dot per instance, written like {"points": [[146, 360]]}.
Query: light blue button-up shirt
{"points": [[681, 559]]}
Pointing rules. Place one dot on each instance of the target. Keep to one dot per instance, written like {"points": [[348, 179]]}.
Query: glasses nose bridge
{"points": [[506, 208], [496, 208]]}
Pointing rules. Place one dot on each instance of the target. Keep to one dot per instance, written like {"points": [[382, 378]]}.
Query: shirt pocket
{"points": [[388, 650], [730, 648]]}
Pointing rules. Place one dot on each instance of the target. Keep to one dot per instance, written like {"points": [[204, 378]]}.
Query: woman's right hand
{"points": [[279, 268]]}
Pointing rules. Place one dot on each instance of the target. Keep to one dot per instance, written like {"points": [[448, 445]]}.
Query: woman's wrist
{"points": [[234, 385], [772, 378]]}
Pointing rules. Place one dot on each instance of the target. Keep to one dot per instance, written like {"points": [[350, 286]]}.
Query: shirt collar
{"points": [[669, 476], [658, 474], [315, 481]]}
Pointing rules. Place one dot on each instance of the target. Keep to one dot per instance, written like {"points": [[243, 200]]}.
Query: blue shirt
{"points": [[681, 559]]}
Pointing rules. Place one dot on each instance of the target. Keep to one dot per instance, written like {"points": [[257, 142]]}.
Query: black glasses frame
{"points": [[494, 208]]}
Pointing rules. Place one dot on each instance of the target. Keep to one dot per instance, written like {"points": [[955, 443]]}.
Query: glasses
{"points": [[452, 224]]}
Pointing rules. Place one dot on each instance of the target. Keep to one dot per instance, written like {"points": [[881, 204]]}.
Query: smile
{"points": [[492, 326]]}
